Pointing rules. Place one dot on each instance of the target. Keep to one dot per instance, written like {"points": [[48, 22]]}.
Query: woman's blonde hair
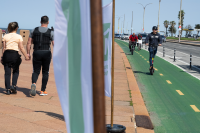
{"points": [[12, 26]]}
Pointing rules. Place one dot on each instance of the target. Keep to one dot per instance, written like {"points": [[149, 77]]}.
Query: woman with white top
{"points": [[12, 42]]}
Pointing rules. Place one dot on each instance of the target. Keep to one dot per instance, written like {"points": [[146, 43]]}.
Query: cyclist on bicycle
{"points": [[153, 40], [132, 40]]}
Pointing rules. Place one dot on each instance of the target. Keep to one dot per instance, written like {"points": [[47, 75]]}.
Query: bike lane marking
{"points": [[179, 92], [194, 108], [168, 82]]}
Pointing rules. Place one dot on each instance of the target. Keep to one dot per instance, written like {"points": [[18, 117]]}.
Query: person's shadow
{"points": [[24, 90], [146, 73], [54, 115]]}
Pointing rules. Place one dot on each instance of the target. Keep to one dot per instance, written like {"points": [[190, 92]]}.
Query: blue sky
{"points": [[28, 12]]}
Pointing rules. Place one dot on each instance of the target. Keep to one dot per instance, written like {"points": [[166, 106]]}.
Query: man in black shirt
{"points": [[153, 40], [42, 37]]}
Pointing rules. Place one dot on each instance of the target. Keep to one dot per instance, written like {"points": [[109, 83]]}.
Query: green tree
{"points": [[172, 28], [182, 19], [166, 24], [197, 26]]}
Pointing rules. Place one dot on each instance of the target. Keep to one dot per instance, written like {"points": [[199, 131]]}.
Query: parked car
{"points": [[189, 36], [125, 37], [117, 36], [163, 38]]}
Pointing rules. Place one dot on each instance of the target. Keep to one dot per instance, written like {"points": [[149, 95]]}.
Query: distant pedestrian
{"points": [[12, 42], [42, 37]]}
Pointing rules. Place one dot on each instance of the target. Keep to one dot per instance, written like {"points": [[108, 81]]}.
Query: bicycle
{"points": [[132, 46]]}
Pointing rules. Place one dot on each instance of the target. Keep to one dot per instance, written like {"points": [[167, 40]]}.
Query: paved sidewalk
{"points": [[123, 111], [22, 113], [25, 114]]}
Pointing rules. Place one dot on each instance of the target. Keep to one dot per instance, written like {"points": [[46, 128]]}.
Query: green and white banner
{"points": [[73, 64], [107, 31], [72, 60]]}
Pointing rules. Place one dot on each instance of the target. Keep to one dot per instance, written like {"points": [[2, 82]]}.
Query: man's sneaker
{"points": [[8, 92], [33, 90], [13, 89], [43, 93]]}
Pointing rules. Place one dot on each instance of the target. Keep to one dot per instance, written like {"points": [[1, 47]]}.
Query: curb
{"points": [[138, 102], [185, 43]]}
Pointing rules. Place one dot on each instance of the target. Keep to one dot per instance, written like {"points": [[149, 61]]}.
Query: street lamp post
{"points": [[144, 12], [132, 23], [159, 16], [180, 23], [118, 22], [123, 24]]}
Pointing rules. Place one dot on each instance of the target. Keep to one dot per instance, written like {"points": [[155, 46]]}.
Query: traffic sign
{"points": [[180, 27]]}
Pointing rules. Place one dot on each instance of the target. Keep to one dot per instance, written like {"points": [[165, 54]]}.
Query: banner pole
{"points": [[97, 66], [113, 57]]}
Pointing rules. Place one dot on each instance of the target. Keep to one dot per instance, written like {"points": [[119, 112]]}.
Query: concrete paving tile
{"points": [[13, 125]]}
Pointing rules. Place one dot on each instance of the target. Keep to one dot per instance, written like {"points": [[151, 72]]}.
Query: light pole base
{"points": [[115, 129]]}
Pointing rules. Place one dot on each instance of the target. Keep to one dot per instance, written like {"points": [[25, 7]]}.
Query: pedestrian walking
{"points": [[11, 59], [42, 37]]}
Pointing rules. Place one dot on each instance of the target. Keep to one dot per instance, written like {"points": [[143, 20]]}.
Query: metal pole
{"points": [[123, 24], [163, 51], [121, 27], [97, 66], [113, 57], [118, 24], [159, 16], [174, 54], [132, 23], [180, 23], [190, 61], [143, 19]]}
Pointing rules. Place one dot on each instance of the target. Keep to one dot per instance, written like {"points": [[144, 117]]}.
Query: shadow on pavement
{"points": [[54, 115], [147, 73], [128, 54], [26, 91], [2, 90]]}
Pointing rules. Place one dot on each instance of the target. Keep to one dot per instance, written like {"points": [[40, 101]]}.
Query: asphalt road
{"points": [[194, 50]]}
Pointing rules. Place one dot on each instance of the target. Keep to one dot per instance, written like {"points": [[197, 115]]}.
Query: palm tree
{"points": [[197, 26], [166, 24], [172, 23], [182, 18]]}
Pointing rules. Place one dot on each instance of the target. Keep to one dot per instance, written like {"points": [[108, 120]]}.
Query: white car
{"points": [[125, 37]]}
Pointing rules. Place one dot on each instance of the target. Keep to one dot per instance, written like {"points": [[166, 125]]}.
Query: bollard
{"points": [[163, 51], [174, 54], [190, 61]]}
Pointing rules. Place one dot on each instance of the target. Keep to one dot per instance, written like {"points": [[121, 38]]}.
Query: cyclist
{"points": [[132, 40], [153, 40]]}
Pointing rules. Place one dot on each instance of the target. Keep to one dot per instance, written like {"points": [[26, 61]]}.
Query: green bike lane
{"points": [[171, 95]]}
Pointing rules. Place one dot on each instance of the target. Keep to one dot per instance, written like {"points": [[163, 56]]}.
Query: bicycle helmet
{"points": [[155, 28]]}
